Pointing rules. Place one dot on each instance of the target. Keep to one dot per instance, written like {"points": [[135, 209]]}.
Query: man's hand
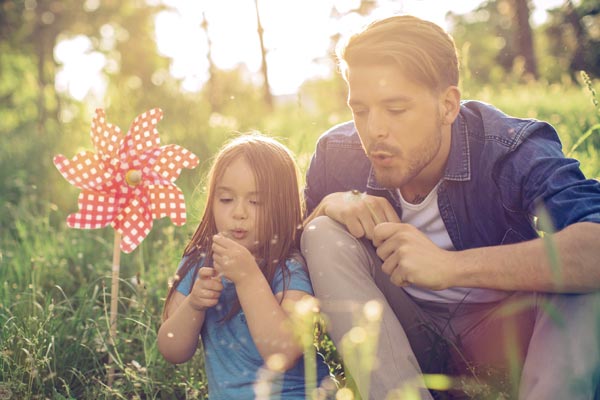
{"points": [[359, 212], [206, 290], [409, 257]]}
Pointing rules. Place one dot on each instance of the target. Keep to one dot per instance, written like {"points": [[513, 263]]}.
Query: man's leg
{"points": [[341, 269], [563, 360]]}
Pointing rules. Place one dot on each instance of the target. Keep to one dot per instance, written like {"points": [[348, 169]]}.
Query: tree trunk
{"points": [[266, 86], [524, 37]]}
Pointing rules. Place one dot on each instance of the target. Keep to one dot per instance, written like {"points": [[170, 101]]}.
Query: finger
{"points": [[381, 233], [355, 227], [389, 265], [386, 211], [397, 280], [206, 272]]}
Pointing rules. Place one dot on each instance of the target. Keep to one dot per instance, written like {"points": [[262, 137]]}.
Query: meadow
{"points": [[55, 281]]}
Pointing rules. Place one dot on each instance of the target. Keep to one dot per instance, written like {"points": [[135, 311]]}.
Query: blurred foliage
{"points": [[53, 280]]}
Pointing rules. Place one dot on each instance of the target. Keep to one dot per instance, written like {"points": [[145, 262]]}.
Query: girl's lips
{"points": [[238, 234]]}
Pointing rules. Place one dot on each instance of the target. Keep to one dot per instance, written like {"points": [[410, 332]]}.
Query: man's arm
{"points": [[411, 258]]}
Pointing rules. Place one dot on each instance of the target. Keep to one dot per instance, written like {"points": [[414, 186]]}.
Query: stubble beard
{"points": [[409, 165]]}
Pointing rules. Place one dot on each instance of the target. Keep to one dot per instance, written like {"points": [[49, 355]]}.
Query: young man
{"points": [[429, 204]]}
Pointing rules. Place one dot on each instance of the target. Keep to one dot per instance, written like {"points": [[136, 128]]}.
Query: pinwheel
{"points": [[126, 183]]}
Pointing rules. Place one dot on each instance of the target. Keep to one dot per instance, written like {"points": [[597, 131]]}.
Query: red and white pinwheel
{"points": [[128, 181]]}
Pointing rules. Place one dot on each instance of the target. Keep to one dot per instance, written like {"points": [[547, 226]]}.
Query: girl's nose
{"points": [[239, 212]]}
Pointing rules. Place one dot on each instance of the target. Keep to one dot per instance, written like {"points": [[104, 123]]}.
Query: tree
{"points": [[268, 97], [574, 37]]}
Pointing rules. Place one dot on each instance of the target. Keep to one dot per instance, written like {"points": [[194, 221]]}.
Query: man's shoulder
{"points": [[488, 123], [343, 133]]}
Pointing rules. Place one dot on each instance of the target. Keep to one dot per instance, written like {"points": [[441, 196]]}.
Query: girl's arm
{"points": [[267, 321], [179, 334]]}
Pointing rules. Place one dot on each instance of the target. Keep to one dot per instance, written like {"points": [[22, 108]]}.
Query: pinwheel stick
{"points": [[114, 297]]}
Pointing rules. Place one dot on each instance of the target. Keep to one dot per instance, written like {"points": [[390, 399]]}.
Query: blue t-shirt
{"points": [[233, 363]]}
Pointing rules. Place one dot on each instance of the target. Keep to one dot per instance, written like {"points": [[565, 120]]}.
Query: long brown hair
{"points": [[279, 217]]}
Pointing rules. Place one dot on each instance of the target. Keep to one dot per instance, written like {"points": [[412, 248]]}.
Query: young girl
{"points": [[239, 266]]}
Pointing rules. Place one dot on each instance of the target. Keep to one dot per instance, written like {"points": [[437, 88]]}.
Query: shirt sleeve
{"points": [[296, 278], [187, 281], [548, 179]]}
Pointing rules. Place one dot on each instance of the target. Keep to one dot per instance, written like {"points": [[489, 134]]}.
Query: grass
{"points": [[55, 281]]}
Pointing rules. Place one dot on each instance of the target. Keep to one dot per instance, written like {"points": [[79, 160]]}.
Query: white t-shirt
{"points": [[426, 217]]}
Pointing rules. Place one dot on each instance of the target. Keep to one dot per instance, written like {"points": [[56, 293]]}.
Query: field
{"points": [[55, 281]]}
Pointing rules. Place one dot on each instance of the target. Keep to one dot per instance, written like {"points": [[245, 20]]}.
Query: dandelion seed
{"points": [[357, 335], [275, 239], [299, 227], [373, 310], [170, 335], [311, 228], [344, 394], [276, 362], [136, 364], [339, 243]]}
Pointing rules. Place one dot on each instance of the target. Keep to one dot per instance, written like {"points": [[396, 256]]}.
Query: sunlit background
{"points": [[297, 36]]}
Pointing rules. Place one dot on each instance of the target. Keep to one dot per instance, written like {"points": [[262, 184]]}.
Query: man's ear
{"points": [[449, 104]]}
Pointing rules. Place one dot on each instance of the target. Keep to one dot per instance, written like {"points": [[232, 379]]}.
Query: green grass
{"points": [[55, 281]]}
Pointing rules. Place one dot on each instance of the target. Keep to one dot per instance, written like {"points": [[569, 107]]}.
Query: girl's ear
{"points": [[450, 104]]}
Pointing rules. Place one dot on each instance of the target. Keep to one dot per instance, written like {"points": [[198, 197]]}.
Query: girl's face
{"points": [[236, 204]]}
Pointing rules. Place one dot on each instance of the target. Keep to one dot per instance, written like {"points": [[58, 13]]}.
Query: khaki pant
{"points": [[545, 346]]}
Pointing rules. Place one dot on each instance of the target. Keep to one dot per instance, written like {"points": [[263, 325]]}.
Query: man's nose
{"points": [[376, 125]]}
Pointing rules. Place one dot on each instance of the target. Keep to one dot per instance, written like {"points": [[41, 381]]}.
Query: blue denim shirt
{"points": [[499, 171]]}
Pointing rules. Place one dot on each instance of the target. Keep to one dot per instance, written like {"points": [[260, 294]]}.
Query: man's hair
{"points": [[421, 49]]}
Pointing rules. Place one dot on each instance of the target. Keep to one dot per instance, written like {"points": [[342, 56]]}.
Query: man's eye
{"points": [[396, 111], [254, 202], [359, 113]]}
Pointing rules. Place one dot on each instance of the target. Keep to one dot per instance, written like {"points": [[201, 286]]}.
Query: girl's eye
{"points": [[396, 111], [225, 200]]}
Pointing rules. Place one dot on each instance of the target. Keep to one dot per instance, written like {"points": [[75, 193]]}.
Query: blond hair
{"points": [[421, 49]]}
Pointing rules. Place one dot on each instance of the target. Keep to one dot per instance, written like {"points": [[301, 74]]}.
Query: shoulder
{"points": [[488, 124], [341, 134]]}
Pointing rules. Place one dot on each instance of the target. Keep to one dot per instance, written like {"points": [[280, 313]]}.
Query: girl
{"points": [[240, 265]]}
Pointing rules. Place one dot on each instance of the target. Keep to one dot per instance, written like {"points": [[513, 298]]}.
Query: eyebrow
{"points": [[394, 99], [222, 188]]}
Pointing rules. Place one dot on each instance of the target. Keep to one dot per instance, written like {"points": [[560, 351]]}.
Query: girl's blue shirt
{"points": [[233, 364]]}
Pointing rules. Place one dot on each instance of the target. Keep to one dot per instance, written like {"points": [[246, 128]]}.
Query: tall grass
{"points": [[54, 281]]}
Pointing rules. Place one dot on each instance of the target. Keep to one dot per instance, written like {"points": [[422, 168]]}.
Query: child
{"points": [[239, 266]]}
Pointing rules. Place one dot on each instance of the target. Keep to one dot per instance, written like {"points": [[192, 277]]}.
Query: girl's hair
{"points": [[422, 50], [279, 217]]}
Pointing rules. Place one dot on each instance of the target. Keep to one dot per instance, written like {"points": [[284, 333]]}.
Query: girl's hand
{"points": [[232, 260], [206, 290]]}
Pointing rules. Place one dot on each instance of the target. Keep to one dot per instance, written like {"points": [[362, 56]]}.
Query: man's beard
{"points": [[410, 166]]}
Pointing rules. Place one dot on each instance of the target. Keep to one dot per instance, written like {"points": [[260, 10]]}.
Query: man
{"points": [[432, 206]]}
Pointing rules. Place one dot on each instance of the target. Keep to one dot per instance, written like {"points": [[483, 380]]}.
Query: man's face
{"points": [[398, 121]]}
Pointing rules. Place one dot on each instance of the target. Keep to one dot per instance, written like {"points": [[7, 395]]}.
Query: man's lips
{"points": [[381, 158]]}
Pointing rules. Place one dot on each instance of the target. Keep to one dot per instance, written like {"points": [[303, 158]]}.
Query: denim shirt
{"points": [[500, 170]]}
